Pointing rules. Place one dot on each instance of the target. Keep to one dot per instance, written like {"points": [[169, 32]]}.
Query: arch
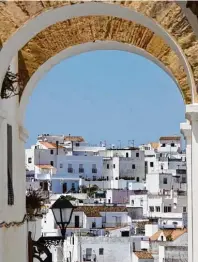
{"points": [[76, 50], [52, 40], [129, 12]]}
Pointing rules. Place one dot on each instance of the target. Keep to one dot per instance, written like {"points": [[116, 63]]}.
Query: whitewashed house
{"points": [[123, 164], [95, 219], [97, 249], [170, 144]]}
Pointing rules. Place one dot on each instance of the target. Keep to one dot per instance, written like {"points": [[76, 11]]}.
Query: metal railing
{"points": [[88, 257]]}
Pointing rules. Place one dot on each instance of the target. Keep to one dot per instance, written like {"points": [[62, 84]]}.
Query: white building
{"points": [[170, 144], [139, 199], [111, 249], [123, 163], [90, 218]]}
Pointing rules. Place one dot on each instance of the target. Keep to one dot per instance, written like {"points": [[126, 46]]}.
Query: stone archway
{"points": [[179, 34], [157, 28]]}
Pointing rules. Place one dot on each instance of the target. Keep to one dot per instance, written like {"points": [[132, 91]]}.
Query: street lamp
{"points": [[62, 210]]}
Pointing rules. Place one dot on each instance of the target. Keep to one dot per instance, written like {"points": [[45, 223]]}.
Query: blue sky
{"points": [[106, 95]]}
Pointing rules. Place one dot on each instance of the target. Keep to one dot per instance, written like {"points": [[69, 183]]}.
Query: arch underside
{"points": [[75, 31], [62, 35]]}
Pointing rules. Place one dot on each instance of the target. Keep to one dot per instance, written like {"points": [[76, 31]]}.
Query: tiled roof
{"points": [[143, 254], [94, 211], [74, 138], [170, 138], [155, 145], [173, 233], [45, 166], [50, 145]]}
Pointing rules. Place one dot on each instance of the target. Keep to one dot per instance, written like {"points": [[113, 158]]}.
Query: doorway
{"points": [[77, 222], [64, 189]]}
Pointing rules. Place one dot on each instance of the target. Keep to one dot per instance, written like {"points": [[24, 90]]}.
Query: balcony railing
{"points": [[88, 257], [70, 170]]}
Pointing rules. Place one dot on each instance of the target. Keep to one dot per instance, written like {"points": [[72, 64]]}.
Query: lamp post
{"points": [[62, 210]]}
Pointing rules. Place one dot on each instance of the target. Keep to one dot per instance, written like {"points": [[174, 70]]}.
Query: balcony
{"points": [[88, 257], [94, 170], [81, 170], [70, 170]]}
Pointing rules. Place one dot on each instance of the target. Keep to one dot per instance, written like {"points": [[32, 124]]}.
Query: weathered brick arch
{"points": [[167, 14]]}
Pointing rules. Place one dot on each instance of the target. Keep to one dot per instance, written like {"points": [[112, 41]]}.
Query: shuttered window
{"points": [[9, 166]]}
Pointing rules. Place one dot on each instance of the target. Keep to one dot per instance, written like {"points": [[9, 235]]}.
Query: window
{"points": [[101, 251], [163, 145], [9, 166], [162, 238], [70, 169], [141, 202], [61, 165], [113, 165], [93, 224], [94, 169], [52, 163], [133, 166], [132, 202], [107, 166], [165, 181], [151, 164], [184, 210], [137, 154], [138, 179], [127, 154], [183, 179], [151, 209], [29, 160], [167, 209], [51, 151], [77, 144], [172, 144], [157, 208], [81, 169]]}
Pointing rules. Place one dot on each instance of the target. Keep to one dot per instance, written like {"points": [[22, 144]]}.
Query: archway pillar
{"points": [[187, 133], [192, 116], [16, 235]]}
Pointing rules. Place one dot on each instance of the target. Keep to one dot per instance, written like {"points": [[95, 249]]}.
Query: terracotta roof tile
{"points": [[143, 254], [155, 145], [45, 166], [174, 233], [170, 138], [74, 138], [94, 211], [50, 145]]}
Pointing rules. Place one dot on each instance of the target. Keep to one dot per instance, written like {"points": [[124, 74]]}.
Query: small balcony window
{"points": [[81, 170], [51, 151], [101, 251], [70, 170], [29, 160], [94, 170]]}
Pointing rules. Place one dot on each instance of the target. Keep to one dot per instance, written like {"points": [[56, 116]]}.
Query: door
{"points": [[77, 221], [65, 188]]}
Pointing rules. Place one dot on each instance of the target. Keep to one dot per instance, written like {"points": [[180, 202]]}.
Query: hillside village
{"points": [[129, 204]]}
